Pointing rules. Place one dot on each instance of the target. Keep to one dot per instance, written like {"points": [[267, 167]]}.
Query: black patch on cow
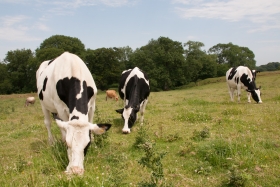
{"points": [[51, 61], [122, 82], [74, 117], [232, 73], [86, 148], [41, 97], [45, 83], [67, 90]]}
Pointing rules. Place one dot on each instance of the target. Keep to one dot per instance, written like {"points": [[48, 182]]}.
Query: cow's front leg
{"points": [[47, 121], [142, 110], [249, 97]]}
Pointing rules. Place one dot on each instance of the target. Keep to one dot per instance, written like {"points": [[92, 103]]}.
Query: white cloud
{"points": [[257, 11], [16, 28]]}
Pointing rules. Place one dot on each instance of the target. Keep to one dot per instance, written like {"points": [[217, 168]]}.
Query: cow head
{"points": [[129, 114], [256, 94], [77, 138]]}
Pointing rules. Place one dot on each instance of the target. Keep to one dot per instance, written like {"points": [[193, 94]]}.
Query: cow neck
{"points": [[134, 94], [248, 82]]}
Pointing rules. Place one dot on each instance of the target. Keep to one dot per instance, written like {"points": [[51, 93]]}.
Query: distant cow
{"points": [[29, 100], [134, 89], [112, 94], [242, 77], [66, 88]]}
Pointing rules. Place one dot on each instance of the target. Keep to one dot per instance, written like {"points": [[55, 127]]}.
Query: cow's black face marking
{"points": [[67, 90], [132, 118]]}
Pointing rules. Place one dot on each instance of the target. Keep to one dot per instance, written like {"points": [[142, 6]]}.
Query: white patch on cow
{"points": [[126, 115]]}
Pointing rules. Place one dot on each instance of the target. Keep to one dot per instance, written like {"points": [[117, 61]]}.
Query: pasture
{"points": [[191, 137]]}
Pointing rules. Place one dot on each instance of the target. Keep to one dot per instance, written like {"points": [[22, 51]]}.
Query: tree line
{"points": [[168, 63]]}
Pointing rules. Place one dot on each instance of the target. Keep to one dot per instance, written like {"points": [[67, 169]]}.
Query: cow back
{"points": [[65, 83]]}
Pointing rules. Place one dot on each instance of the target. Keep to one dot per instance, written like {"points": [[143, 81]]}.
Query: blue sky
{"points": [[25, 24]]}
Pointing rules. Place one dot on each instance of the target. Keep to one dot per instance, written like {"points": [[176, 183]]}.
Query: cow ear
{"points": [[61, 124], [120, 111], [99, 128]]}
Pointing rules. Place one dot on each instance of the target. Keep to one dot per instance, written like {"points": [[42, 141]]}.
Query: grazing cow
{"points": [[66, 89], [241, 77], [112, 94], [134, 89], [29, 100]]}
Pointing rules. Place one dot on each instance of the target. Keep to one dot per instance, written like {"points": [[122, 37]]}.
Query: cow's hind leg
{"points": [[231, 93], [47, 121], [142, 110]]}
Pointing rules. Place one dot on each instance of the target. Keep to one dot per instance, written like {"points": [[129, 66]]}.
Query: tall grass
{"points": [[206, 140]]}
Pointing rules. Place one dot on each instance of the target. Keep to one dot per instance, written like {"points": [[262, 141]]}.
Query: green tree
{"points": [[233, 55], [200, 65], [21, 67], [57, 44], [105, 65], [5, 83], [163, 61]]}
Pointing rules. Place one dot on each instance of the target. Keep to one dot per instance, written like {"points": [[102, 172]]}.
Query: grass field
{"points": [[194, 137]]}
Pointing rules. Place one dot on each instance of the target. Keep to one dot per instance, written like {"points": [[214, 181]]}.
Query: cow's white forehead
{"points": [[127, 112]]}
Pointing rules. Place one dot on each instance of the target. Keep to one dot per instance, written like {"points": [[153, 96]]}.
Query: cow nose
{"points": [[260, 102], [77, 170]]}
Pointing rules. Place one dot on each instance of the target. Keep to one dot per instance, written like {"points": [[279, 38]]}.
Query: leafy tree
{"points": [[163, 61], [125, 54], [5, 83], [21, 67], [105, 65], [200, 65], [57, 44], [233, 55], [271, 66]]}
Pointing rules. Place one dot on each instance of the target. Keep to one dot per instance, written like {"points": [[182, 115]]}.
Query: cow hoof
{"points": [[126, 131]]}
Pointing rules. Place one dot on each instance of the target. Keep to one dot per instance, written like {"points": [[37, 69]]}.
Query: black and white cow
{"points": [[134, 89], [242, 77], [66, 88]]}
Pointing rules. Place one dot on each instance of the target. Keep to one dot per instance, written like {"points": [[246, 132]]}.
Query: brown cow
{"points": [[112, 94], [29, 100]]}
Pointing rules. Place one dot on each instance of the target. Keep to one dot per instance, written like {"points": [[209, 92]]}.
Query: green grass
{"points": [[206, 140]]}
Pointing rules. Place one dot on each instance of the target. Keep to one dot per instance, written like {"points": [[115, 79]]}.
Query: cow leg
{"points": [[47, 121], [249, 97], [142, 110], [231, 93], [91, 112], [238, 92], [63, 114]]}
